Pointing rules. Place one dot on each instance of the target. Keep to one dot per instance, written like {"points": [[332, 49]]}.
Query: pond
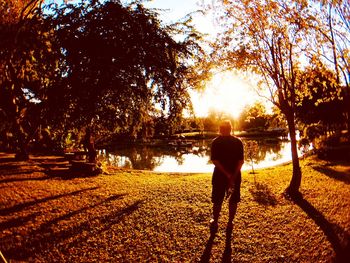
{"points": [[192, 157]]}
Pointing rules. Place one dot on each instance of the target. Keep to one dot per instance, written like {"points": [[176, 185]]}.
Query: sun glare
{"points": [[225, 92]]}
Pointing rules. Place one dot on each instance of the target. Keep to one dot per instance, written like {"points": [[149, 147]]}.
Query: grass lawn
{"points": [[140, 216]]}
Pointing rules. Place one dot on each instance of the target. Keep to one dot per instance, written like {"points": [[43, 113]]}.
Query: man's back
{"points": [[228, 150]]}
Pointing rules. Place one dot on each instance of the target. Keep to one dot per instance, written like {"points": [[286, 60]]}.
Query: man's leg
{"points": [[215, 219], [235, 198], [217, 198], [216, 211], [232, 212]]}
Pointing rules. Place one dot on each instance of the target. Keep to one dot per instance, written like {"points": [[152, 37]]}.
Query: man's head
{"points": [[225, 127]]}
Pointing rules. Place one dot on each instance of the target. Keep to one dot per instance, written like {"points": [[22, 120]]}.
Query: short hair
{"points": [[225, 126]]}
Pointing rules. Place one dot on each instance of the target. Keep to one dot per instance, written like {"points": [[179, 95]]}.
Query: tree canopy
{"points": [[103, 65], [26, 68], [320, 100], [120, 67]]}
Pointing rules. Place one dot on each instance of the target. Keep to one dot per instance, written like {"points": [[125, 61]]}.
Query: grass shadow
{"points": [[205, 258], [263, 195], [226, 257], [21, 220], [7, 159], [19, 207], [13, 168], [10, 167], [9, 171], [340, 176], [46, 237], [115, 217], [23, 179], [338, 237], [18, 221]]}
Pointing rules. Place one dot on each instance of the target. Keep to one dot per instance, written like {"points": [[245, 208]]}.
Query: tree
{"points": [[27, 64], [251, 149], [120, 68], [332, 39], [253, 117], [268, 38], [212, 121], [14, 11], [320, 100]]}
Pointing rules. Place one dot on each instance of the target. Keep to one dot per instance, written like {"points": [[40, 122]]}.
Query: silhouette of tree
{"points": [[320, 100], [332, 39], [120, 67], [253, 117], [27, 64], [251, 149]]}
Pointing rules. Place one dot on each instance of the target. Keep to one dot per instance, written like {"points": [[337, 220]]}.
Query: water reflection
{"points": [[191, 158]]}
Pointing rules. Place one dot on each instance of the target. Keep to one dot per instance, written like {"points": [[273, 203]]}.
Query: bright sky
{"points": [[227, 91], [178, 9]]}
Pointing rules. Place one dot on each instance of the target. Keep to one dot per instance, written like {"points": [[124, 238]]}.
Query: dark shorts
{"points": [[219, 191]]}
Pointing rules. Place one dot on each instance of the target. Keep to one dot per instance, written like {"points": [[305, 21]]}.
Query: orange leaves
{"points": [[12, 10]]}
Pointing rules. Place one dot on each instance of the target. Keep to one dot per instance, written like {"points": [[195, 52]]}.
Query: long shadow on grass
{"points": [[208, 247], [10, 167], [19, 207], [7, 159], [343, 177], [339, 239], [226, 257], [263, 195], [10, 171], [19, 221], [45, 238], [23, 179]]}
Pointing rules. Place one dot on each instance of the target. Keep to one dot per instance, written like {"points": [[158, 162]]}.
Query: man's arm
{"points": [[222, 169], [236, 172], [230, 176], [238, 166]]}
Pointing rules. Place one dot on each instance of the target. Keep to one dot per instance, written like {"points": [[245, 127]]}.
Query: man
{"points": [[227, 156]]}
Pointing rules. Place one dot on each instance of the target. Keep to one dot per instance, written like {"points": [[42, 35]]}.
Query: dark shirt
{"points": [[228, 150]]}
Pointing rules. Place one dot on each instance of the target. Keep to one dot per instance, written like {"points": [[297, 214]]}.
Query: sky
{"points": [[172, 11], [226, 91], [178, 9]]}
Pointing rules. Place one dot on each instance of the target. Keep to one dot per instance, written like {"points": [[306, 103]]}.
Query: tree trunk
{"points": [[347, 105], [90, 145], [348, 122], [20, 135], [17, 114], [293, 188], [22, 144]]}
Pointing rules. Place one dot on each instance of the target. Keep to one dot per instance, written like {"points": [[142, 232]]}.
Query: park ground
{"points": [[49, 214]]}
